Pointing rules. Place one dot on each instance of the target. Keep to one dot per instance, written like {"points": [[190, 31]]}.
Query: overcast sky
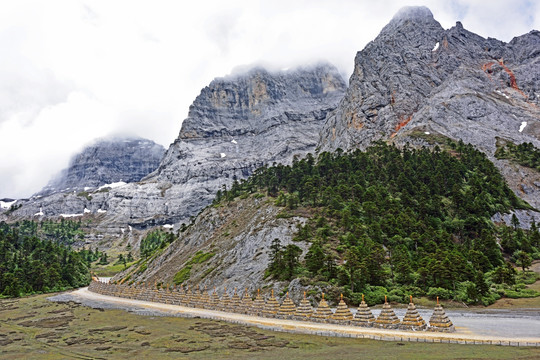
{"points": [[72, 71]]}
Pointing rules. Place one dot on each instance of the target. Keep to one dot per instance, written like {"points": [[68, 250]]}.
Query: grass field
{"points": [[34, 327], [110, 270]]}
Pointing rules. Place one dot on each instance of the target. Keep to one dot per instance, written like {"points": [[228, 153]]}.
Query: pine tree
{"points": [[534, 236], [515, 221], [276, 257], [290, 260], [523, 259], [481, 285], [314, 258]]}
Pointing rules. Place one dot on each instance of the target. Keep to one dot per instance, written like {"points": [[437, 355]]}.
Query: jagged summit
{"points": [[418, 83], [407, 24], [417, 13], [412, 26]]}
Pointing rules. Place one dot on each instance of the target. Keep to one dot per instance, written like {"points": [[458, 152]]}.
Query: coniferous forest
{"points": [[34, 264], [389, 221]]}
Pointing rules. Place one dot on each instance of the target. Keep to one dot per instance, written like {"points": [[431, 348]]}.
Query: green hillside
{"points": [[398, 222]]}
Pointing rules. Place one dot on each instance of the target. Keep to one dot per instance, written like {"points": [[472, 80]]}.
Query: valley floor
{"points": [[34, 327]]}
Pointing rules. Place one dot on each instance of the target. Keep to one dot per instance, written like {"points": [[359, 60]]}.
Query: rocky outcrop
{"points": [[238, 235], [237, 124], [107, 161], [419, 83]]}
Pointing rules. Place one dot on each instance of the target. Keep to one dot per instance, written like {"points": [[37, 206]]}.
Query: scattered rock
{"points": [[79, 340], [6, 341], [239, 345], [143, 332], [48, 335], [20, 317], [108, 328], [53, 322], [185, 349], [58, 311], [103, 348]]}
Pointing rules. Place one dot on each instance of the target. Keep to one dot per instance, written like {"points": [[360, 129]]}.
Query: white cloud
{"points": [[73, 70], [32, 153]]}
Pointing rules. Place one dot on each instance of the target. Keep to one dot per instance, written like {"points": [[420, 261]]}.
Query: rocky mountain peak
{"points": [[106, 161], [237, 124], [247, 102], [410, 28], [413, 13], [411, 20], [241, 122], [419, 83]]}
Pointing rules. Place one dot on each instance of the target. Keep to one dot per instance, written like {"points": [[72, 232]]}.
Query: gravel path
{"points": [[520, 328]]}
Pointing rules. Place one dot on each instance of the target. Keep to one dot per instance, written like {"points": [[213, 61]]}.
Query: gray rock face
{"points": [[237, 124], [419, 83], [108, 161], [238, 234], [240, 123]]}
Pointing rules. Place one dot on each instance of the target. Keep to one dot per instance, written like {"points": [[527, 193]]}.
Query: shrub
{"points": [[443, 294], [525, 293], [183, 275], [375, 295]]}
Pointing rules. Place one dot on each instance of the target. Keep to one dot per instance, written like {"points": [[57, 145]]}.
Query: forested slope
{"points": [[398, 221], [29, 264]]}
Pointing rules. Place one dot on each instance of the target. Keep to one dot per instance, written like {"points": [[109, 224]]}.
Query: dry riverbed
{"points": [[36, 328]]}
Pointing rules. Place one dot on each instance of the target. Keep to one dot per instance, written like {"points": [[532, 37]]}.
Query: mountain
{"points": [[242, 122], [416, 83], [237, 124], [107, 161], [419, 83]]}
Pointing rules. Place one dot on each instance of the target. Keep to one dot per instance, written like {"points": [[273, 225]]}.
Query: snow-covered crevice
{"points": [[70, 215], [6, 204], [503, 94], [112, 185]]}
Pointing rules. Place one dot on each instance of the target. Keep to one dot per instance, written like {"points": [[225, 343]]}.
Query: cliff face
{"points": [[237, 124], [108, 161], [419, 83], [240, 123], [237, 235]]}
